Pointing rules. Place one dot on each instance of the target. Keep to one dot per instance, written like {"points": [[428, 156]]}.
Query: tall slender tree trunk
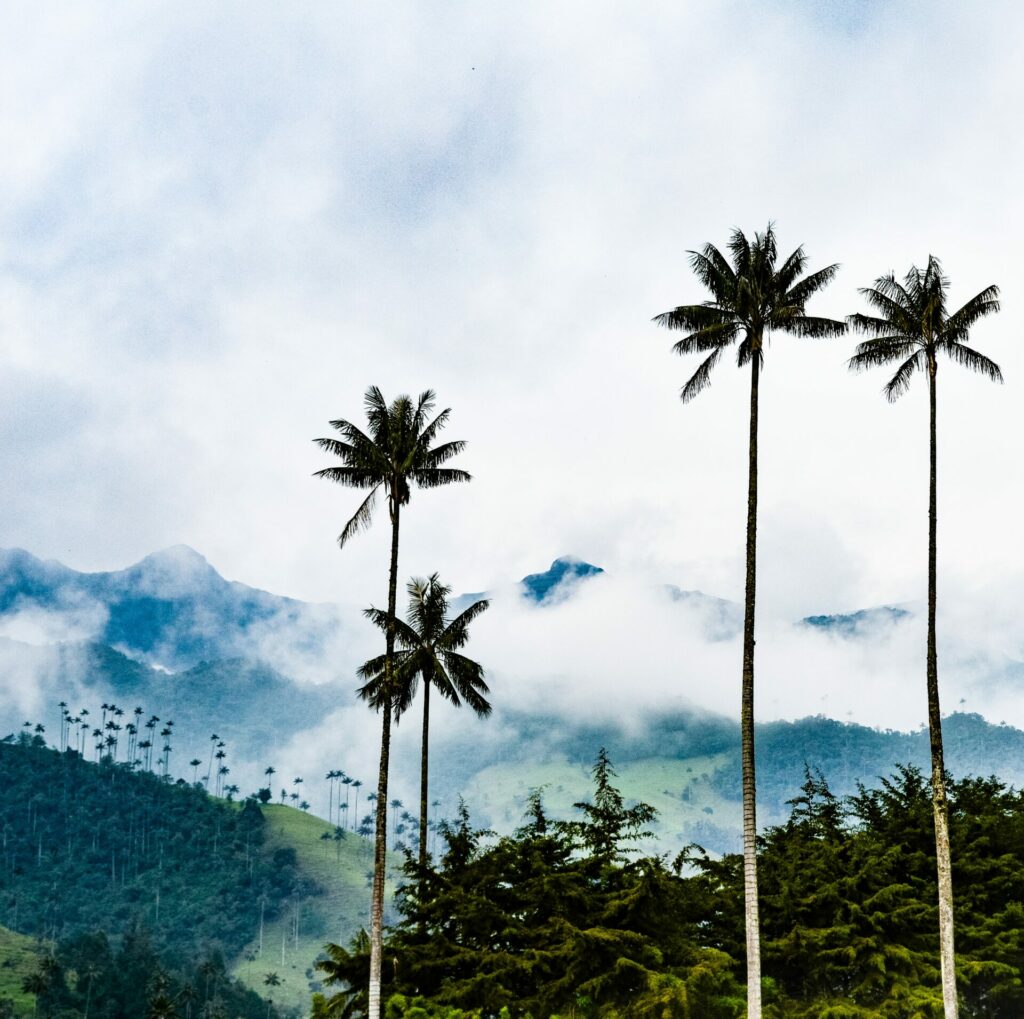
{"points": [[424, 756], [940, 806], [380, 839], [750, 910]]}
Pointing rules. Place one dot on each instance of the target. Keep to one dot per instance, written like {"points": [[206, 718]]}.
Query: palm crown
{"points": [[396, 454], [750, 297], [912, 326], [429, 646]]}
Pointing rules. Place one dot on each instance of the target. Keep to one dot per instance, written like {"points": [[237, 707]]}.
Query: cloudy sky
{"points": [[220, 223]]}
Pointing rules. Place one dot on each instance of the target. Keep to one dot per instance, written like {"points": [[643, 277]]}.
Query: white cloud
{"points": [[218, 225], [75, 619]]}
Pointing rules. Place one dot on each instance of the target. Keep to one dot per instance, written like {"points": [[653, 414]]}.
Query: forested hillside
{"points": [[115, 867], [89, 846]]}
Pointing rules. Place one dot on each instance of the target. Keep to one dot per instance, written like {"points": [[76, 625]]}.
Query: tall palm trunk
{"points": [[939, 804], [380, 839], [750, 910], [424, 754]]}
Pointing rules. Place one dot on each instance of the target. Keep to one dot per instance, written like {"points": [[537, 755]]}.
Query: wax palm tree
{"points": [[271, 980], [330, 776], [429, 649], [398, 453], [36, 984], [346, 781], [912, 327], [395, 807], [750, 298], [356, 786]]}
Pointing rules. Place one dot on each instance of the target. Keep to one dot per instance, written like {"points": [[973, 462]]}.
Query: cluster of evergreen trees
{"points": [[559, 919]]}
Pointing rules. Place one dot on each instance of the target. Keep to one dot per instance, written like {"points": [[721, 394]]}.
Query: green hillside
{"points": [[686, 793], [688, 767], [97, 847], [342, 871], [18, 958]]}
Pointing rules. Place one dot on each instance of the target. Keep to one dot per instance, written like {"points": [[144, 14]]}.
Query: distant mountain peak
{"points": [[540, 587], [853, 624], [174, 570], [177, 555]]}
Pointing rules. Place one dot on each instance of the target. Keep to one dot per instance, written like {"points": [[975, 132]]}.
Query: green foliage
{"points": [[850, 900], [98, 847], [557, 920], [548, 920], [86, 975], [18, 957]]}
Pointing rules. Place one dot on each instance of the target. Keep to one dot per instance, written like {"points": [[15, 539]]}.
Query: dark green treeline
{"points": [[559, 919]]}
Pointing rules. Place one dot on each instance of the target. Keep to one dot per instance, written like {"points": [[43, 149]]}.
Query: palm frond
{"points": [[357, 448], [428, 433], [694, 317], [713, 271], [344, 450], [809, 325], [406, 675], [970, 358], [466, 616], [934, 278], [424, 405], [376, 690], [378, 415], [871, 324], [405, 635], [739, 247], [914, 287], [372, 667], [892, 300], [434, 477], [959, 323], [431, 458], [802, 291], [790, 270], [701, 378], [466, 682], [882, 350], [720, 262], [352, 477], [362, 517], [900, 382], [707, 339]]}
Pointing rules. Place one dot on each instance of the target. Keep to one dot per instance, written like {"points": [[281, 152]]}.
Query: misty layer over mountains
{"points": [[576, 659]]}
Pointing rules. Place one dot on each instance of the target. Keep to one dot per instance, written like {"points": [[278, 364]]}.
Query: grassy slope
{"points": [[18, 955], [344, 872], [689, 808]]}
